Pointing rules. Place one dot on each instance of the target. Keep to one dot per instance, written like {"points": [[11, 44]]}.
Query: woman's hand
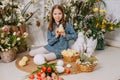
{"points": [[57, 33], [63, 34]]}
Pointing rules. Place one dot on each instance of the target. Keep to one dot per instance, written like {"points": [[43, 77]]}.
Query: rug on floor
{"points": [[30, 67]]}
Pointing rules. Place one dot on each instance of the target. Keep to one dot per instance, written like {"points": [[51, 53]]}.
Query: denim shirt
{"points": [[57, 45]]}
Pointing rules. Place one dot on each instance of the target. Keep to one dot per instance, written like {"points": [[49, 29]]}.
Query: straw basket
{"points": [[70, 59], [83, 68], [8, 56]]}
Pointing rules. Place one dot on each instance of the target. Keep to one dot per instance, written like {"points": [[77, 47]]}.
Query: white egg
{"points": [[60, 69], [39, 59], [60, 62]]}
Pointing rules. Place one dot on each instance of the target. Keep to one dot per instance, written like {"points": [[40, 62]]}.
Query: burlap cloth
{"points": [[30, 67]]}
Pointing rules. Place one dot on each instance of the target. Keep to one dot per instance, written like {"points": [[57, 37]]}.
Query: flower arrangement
{"points": [[96, 25], [11, 40], [90, 17], [14, 13], [45, 72], [86, 63]]}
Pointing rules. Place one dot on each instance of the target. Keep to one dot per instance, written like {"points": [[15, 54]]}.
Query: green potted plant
{"points": [[9, 42]]}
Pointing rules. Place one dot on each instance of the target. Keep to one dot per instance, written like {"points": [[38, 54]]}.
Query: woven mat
{"points": [[30, 67]]}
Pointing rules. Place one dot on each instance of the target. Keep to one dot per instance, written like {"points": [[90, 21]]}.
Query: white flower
{"points": [[18, 24], [13, 44], [6, 49], [8, 44], [20, 6], [75, 24], [3, 50], [103, 30], [25, 34], [4, 3], [95, 62], [18, 11], [2, 41], [7, 18], [14, 33], [75, 1], [18, 38], [10, 3], [2, 6], [9, 48]]}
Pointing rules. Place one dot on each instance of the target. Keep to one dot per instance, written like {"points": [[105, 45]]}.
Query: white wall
{"points": [[113, 7]]}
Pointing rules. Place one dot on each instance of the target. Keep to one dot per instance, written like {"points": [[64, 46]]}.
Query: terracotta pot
{"points": [[8, 56]]}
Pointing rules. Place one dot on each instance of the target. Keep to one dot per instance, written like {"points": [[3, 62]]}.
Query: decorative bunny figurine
{"points": [[91, 45], [80, 44]]}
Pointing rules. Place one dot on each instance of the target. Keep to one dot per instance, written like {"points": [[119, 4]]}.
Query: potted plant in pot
{"points": [[16, 16], [9, 42]]}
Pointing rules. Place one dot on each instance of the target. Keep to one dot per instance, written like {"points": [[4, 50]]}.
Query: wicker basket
{"points": [[83, 68], [70, 59], [8, 56]]}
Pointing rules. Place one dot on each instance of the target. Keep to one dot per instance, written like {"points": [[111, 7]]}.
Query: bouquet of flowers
{"points": [[96, 24], [45, 72]]}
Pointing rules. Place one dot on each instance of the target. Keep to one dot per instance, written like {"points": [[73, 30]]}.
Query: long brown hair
{"points": [[51, 27]]}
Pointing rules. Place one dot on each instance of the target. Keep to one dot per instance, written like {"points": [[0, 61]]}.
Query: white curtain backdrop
{"points": [[37, 35]]}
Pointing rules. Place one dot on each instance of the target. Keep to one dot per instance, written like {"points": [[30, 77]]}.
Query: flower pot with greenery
{"points": [[9, 42]]}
